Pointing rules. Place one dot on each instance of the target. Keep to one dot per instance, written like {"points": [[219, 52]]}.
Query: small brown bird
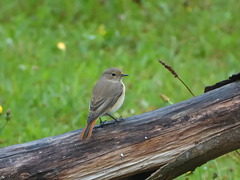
{"points": [[107, 97]]}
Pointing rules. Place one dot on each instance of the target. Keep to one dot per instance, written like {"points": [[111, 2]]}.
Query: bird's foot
{"points": [[102, 122], [119, 119], [116, 120]]}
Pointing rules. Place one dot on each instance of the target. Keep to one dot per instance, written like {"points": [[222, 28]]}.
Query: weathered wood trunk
{"points": [[173, 139]]}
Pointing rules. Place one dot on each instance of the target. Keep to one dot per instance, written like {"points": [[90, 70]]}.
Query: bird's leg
{"points": [[102, 122], [116, 120]]}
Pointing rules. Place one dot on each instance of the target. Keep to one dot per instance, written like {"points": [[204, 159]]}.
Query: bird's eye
{"points": [[113, 74]]}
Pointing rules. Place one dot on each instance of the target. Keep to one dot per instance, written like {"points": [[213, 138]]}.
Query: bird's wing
{"points": [[103, 100]]}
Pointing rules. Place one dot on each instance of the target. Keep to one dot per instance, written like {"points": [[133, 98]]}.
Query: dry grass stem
{"points": [[175, 75]]}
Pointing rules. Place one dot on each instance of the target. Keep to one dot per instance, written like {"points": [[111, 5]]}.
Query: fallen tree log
{"points": [[173, 139]]}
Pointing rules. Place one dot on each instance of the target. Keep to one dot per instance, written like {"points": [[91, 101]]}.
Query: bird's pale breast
{"points": [[119, 103]]}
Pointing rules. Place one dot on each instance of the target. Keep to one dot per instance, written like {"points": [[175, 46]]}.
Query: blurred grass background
{"points": [[48, 88]]}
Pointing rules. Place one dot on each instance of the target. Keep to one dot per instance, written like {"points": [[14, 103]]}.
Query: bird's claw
{"points": [[102, 123], [118, 120]]}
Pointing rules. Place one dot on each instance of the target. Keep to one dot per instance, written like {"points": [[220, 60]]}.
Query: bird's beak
{"points": [[124, 75]]}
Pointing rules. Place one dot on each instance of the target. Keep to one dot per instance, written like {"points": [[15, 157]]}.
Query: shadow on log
{"points": [[173, 139]]}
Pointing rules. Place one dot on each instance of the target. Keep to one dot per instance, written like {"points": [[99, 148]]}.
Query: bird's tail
{"points": [[87, 132]]}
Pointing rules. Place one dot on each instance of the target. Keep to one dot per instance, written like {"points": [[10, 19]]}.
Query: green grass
{"points": [[48, 90]]}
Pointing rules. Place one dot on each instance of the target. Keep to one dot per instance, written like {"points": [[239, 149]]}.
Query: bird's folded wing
{"points": [[100, 106]]}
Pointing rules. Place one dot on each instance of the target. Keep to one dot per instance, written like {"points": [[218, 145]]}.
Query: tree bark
{"points": [[172, 139]]}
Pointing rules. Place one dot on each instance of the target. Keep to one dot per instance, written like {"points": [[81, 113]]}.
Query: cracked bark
{"points": [[171, 140]]}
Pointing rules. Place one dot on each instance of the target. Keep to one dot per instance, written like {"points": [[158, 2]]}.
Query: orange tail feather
{"points": [[87, 132]]}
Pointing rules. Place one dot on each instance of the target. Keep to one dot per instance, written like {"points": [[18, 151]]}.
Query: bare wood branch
{"points": [[173, 139]]}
